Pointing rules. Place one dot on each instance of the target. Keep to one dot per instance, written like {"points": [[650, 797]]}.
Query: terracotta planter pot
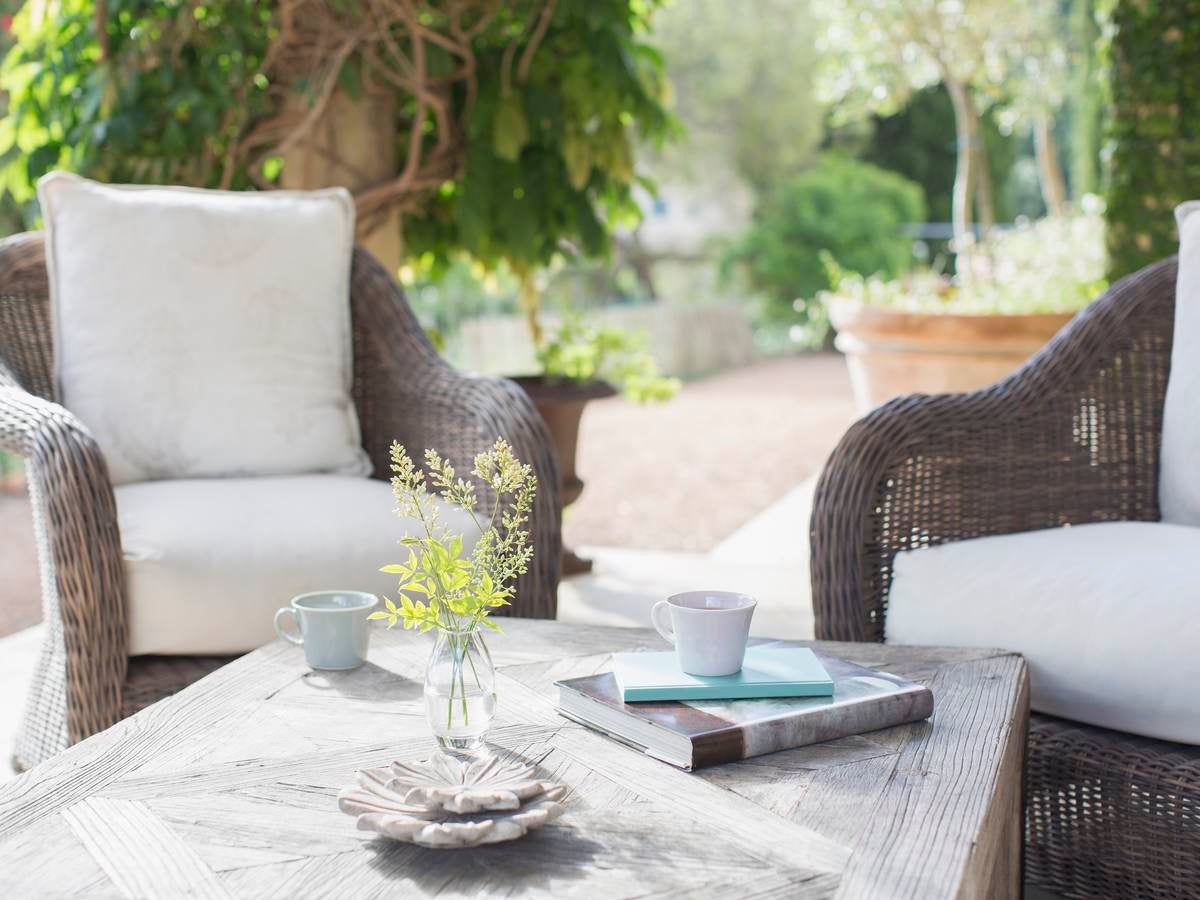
{"points": [[892, 353], [561, 406]]}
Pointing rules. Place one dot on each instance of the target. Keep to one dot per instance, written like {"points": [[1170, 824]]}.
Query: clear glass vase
{"points": [[460, 690]]}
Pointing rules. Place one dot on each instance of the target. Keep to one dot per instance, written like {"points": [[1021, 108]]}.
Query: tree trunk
{"points": [[352, 145], [982, 175], [963, 165], [530, 299], [1054, 190], [1085, 106]]}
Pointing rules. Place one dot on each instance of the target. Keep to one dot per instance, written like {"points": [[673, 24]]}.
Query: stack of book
{"points": [[785, 696]]}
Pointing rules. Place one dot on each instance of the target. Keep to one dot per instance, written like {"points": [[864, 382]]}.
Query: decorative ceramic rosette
{"points": [[448, 803]]}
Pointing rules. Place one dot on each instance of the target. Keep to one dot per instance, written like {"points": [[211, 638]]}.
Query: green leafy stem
{"points": [[441, 585]]}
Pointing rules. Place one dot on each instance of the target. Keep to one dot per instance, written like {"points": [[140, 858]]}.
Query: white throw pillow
{"points": [[208, 561], [204, 333], [1179, 480], [1106, 615]]}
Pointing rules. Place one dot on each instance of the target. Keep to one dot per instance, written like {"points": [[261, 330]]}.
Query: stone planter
{"points": [[561, 405], [891, 353]]}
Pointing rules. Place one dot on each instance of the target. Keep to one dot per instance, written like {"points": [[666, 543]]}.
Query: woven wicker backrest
{"points": [[26, 351], [1071, 437]]}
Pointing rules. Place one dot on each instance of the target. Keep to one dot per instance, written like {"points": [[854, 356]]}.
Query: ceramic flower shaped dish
{"points": [[448, 803]]}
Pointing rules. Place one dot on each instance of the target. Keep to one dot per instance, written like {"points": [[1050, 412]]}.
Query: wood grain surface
{"points": [[228, 789]]}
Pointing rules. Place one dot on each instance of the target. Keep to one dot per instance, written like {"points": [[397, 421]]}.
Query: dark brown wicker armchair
{"points": [[1072, 437], [404, 391]]}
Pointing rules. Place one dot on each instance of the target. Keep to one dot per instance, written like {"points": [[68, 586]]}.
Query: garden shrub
{"points": [[853, 211], [1052, 265]]}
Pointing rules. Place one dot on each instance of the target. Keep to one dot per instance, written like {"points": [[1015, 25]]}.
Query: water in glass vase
{"points": [[460, 690]]}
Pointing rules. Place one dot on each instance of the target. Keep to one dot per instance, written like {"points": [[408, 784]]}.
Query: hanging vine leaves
{"points": [[510, 132], [1152, 148], [514, 118]]}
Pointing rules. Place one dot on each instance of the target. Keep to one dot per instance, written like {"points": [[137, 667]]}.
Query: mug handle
{"points": [[662, 623], [298, 638]]}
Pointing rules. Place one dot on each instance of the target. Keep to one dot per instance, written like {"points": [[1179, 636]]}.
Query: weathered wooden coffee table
{"points": [[227, 790]]}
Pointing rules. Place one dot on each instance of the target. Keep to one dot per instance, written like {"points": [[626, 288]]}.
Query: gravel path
{"points": [[682, 476], [685, 475]]}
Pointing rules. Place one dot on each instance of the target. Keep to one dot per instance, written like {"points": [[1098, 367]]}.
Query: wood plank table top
{"points": [[228, 789]]}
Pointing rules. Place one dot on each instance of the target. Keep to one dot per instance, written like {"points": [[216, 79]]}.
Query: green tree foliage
{"points": [[878, 52], [1153, 145], [853, 211], [10, 216], [532, 141], [162, 99], [559, 164], [11, 219], [918, 143], [743, 86]]}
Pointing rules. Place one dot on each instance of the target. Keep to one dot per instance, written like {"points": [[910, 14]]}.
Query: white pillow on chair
{"points": [[1179, 481], [204, 333], [1106, 615]]}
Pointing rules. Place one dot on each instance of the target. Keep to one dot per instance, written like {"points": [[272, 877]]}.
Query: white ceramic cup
{"points": [[332, 626], [708, 628]]}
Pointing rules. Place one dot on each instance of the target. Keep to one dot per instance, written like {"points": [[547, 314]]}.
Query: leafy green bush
{"points": [[168, 102], [582, 353], [853, 211], [1053, 265]]}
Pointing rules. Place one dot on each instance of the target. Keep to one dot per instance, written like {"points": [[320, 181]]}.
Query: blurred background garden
{"points": [[678, 198]]}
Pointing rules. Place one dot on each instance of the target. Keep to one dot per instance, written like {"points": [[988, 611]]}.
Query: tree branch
{"points": [[535, 40]]}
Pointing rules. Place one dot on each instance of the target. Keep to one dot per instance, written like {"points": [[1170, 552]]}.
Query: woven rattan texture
{"points": [[1072, 437], [403, 391], [1110, 814]]}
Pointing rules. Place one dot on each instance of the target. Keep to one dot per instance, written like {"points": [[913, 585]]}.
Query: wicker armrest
{"points": [[1071, 437], [406, 392], [79, 548]]}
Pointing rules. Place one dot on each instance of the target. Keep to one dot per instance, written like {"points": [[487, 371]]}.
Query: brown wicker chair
{"points": [[85, 681], [1072, 437]]}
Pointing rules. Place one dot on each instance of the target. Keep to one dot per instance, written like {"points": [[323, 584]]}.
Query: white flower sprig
{"points": [[459, 590]]}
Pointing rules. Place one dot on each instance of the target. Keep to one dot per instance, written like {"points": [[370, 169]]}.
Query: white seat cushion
{"points": [[204, 333], [208, 561], [1106, 615], [1179, 477]]}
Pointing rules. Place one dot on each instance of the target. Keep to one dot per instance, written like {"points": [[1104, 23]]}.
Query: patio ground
{"points": [[712, 490], [686, 475]]}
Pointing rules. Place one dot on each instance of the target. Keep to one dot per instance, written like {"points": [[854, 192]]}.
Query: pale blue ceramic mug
{"points": [[331, 626]]}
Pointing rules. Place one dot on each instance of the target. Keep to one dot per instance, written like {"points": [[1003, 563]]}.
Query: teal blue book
{"points": [[768, 671]]}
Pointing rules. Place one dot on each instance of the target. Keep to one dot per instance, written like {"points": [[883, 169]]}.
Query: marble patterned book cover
{"points": [[722, 731]]}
